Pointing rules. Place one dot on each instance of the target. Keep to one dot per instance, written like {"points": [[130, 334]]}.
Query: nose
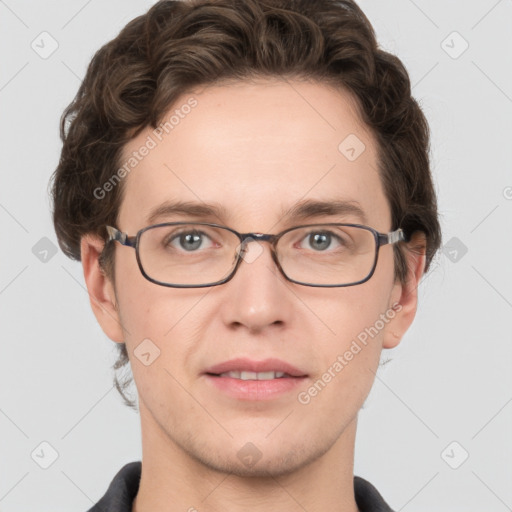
{"points": [[258, 295]]}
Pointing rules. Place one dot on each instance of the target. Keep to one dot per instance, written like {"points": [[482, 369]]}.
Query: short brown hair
{"points": [[133, 80]]}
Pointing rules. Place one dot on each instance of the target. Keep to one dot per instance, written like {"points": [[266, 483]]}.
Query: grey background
{"points": [[448, 381]]}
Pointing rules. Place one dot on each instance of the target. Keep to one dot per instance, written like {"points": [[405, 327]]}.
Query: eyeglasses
{"points": [[201, 254]]}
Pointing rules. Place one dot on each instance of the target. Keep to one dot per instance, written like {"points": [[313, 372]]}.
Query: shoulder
{"points": [[121, 491], [368, 498]]}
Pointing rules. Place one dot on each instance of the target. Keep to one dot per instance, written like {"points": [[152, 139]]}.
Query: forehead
{"points": [[254, 149]]}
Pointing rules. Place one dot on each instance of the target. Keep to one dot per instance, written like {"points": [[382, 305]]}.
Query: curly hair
{"points": [[133, 80]]}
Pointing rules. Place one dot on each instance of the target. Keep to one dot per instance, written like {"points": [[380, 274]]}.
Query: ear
{"points": [[101, 290], [404, 297]]}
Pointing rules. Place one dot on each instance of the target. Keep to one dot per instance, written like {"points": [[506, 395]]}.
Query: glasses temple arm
{"points": [[115, 235], [393, 237]]}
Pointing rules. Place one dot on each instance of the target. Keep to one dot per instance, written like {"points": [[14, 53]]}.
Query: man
{"points": [[247, 186]]}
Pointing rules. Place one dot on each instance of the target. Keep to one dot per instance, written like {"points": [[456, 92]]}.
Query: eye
{"points": [[322, 240], [189, 241]]}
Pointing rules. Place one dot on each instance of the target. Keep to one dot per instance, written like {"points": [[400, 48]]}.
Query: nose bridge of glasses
{"points": [[246, 238], [259, 237]]}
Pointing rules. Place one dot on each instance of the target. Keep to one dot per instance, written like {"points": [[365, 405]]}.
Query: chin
{"points": [[250, 461]]}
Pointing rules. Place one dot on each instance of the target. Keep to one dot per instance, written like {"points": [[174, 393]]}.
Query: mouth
{"points": [[246, 375], [245, 379]]}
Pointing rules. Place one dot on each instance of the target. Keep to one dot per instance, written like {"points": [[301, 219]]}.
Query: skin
{"points": [[255, 148]]}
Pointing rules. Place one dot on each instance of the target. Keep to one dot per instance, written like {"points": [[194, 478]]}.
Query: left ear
{"points": [[405, 296]]}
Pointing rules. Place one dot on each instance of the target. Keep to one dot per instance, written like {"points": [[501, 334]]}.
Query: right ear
{"points": [[100, 288]]}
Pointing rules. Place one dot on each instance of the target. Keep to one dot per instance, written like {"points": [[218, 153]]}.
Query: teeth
{"points": [[243, 375]]}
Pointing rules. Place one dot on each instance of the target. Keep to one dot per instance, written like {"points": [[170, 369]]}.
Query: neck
{"points": [[173, 480]]}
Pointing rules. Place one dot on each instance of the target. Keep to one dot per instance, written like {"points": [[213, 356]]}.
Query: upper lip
{"points": [[249, 365]]}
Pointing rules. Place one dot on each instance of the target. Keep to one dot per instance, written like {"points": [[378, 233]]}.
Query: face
{"points": [[254, 150]]}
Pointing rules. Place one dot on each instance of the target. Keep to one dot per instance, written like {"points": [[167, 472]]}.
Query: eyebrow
{"points": [[301, 211], [313, 208], [189, 208]]}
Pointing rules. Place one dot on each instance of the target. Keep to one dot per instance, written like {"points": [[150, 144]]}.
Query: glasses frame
{"points": [[381, 239]]}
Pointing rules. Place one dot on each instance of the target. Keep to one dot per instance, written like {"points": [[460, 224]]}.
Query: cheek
{"points": [[353, 322], [353, 343], [160, 325], [140, 301], [350, 351], [153, 314], [160, 344], [348, 312]]}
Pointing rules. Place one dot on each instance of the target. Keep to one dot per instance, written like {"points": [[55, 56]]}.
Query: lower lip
{"points": [[255, 389]]}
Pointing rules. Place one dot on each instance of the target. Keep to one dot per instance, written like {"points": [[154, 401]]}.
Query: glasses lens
{"points": [[187, 254], [327, 254]]}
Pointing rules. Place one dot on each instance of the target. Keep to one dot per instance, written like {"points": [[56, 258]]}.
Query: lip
{"points": [[249, 365], [255, 390]]}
